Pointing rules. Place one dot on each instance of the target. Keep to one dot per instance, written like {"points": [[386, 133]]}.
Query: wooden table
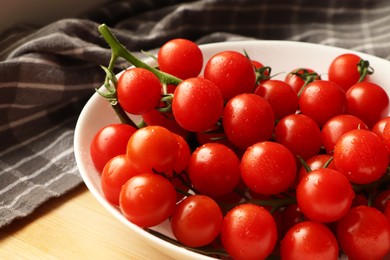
{"points": [[75, 226]]}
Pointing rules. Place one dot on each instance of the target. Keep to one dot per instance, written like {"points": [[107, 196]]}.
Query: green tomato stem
{"points": [[119, 50]]}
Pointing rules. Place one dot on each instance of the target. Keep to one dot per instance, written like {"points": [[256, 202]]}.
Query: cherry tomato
{"points": [[344, 71], [368, 101], [147, 199], [214, 170], [232, 72], [197, 104], [309, 240], [196, 221], [379, 126], [291, 215], [361, 156], [153, 148], [181, 58], [138, 90], [300, 134], [248, 119], [115, 174], [298, 77], [381, 200], [248, 232], [364, 233], [280, 96], [109, 142], [335, 127], [314, 163], [268, 168], [324, 195], [322, 100]]}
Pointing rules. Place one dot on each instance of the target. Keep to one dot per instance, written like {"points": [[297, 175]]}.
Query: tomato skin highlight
{"points": [[147, 199], [249, 232], [309, 240]]}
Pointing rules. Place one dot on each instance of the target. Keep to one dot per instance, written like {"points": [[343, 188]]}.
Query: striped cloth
{"points": [[48, 73]]}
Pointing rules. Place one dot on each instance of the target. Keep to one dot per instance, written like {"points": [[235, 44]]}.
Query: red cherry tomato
{"points": [[214, 170], [322, 100], [196, 221], [298, 78], [248, 232], [139, 91], [361, 155], [314, 163], [268, 168], [300, 134], [197, 104], [335, 127], [344, 70], [280, 96], [368, 101], [232, 72], [364, 233], [309, 240], [181, 58], [115, 174], [153, 148], [109, 142], [324, 195], [147, 199], [248, 119]]}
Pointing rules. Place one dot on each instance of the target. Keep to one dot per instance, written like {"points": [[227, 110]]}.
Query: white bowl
{"points": [[281, 56]]}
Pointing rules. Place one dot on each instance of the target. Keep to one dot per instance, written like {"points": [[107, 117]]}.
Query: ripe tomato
{"points": [[214, 170], [181, 58], [280, 96], [232, 72], [109, 142], [324, 195], [300, 134], [115, 174], [268, 168], [184, 154], [322, 100], [316, 162], [248, 232], [153, 148], [309, 240], [344, 70], [364, 233], [379, 126], [147, 199], [248, 119], [368, 101], [335, 127], [196, 221], [139, 91], [361, 156], [298, 77], [197, 104]]}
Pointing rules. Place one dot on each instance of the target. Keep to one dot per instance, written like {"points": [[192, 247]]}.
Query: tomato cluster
{"points": [[252, 165]]}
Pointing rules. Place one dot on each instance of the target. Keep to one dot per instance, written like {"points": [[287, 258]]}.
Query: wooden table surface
{"points": [[75, 226]]}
